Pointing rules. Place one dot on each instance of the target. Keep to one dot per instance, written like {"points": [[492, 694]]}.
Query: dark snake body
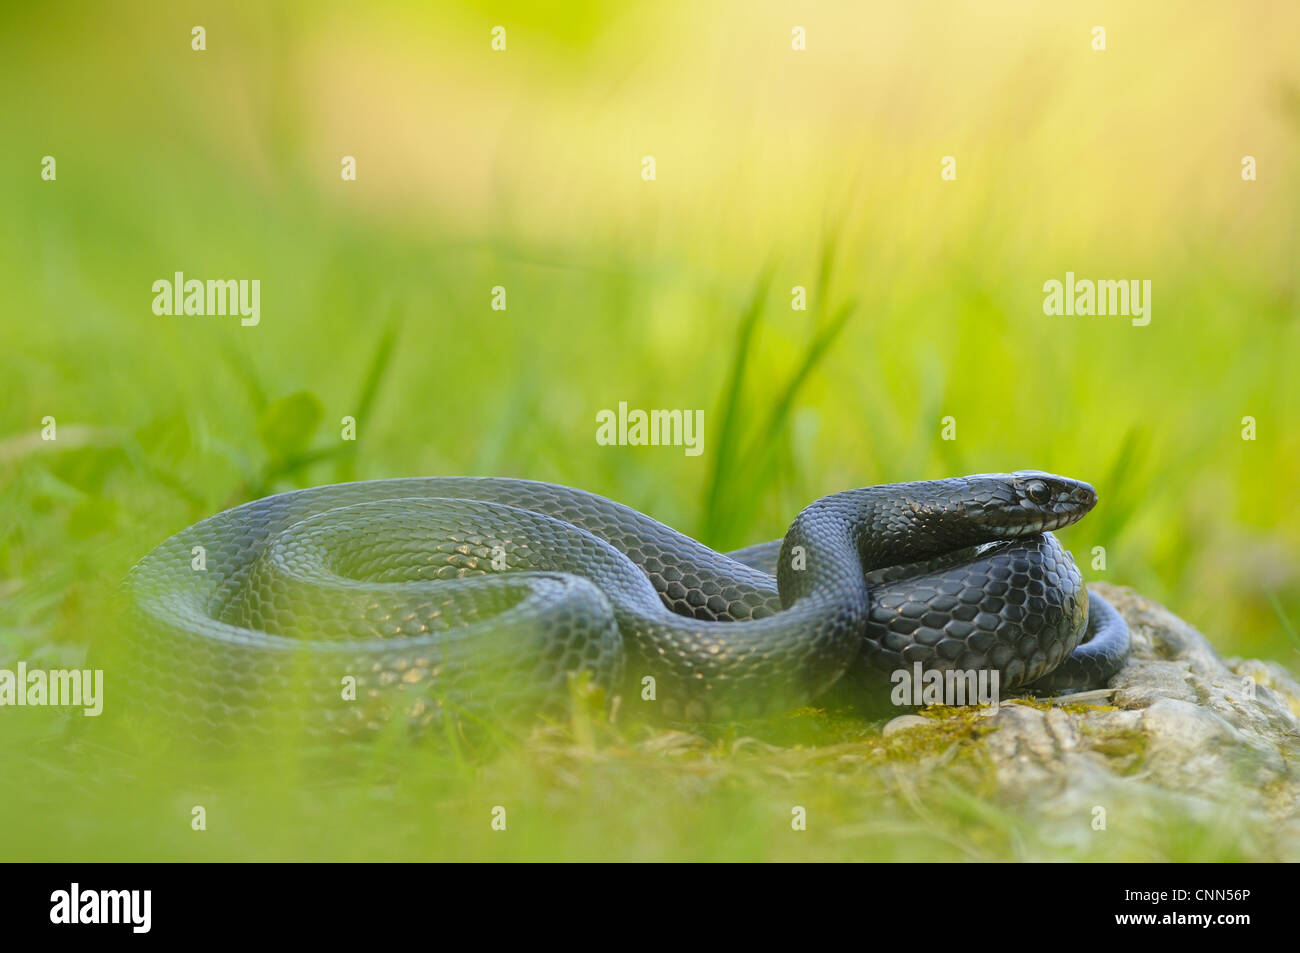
{"points": [[486, 594]]}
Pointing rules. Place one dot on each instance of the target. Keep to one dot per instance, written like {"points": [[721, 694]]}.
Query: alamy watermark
{"points": [[916, 687], [131, 907], [652, 428], [214, 296], [55, 688], [1104, 297]]}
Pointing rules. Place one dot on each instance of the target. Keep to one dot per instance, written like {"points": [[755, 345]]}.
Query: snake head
{"points": [[1031, 501], [996, 506]]}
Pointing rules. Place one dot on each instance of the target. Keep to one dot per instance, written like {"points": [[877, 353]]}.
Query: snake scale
{"points": [[484, 594]]}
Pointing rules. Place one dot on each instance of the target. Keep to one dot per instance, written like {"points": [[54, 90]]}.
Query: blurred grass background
{"points": [[522, 168]]}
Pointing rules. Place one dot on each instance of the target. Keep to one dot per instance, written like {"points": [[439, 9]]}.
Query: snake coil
{"points": [[485, 594]]}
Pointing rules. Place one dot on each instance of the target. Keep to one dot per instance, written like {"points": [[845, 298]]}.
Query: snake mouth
{"points": [[1034, 527]]}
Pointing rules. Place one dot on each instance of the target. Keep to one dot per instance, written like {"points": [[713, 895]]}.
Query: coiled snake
{"points": [[485, 594]]}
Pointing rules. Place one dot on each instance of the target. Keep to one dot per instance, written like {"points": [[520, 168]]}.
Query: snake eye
{"points": [[1038, 491]]}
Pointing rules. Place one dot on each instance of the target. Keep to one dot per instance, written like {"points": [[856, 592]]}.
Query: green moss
{"points": [[949, 729], [1124, 748], [1047, 704]]}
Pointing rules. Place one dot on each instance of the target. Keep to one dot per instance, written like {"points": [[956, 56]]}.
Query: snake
{"points": [[359, 603]]}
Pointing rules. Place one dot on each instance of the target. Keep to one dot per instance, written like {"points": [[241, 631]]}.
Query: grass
{"points": [[681, 795], [924, 302]]}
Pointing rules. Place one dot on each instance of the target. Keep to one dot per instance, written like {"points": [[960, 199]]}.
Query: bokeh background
{"points": [[775, 168]]}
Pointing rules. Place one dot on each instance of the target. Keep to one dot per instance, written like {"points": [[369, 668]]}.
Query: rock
{"points": [[904, 722], [1186, 734]]}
